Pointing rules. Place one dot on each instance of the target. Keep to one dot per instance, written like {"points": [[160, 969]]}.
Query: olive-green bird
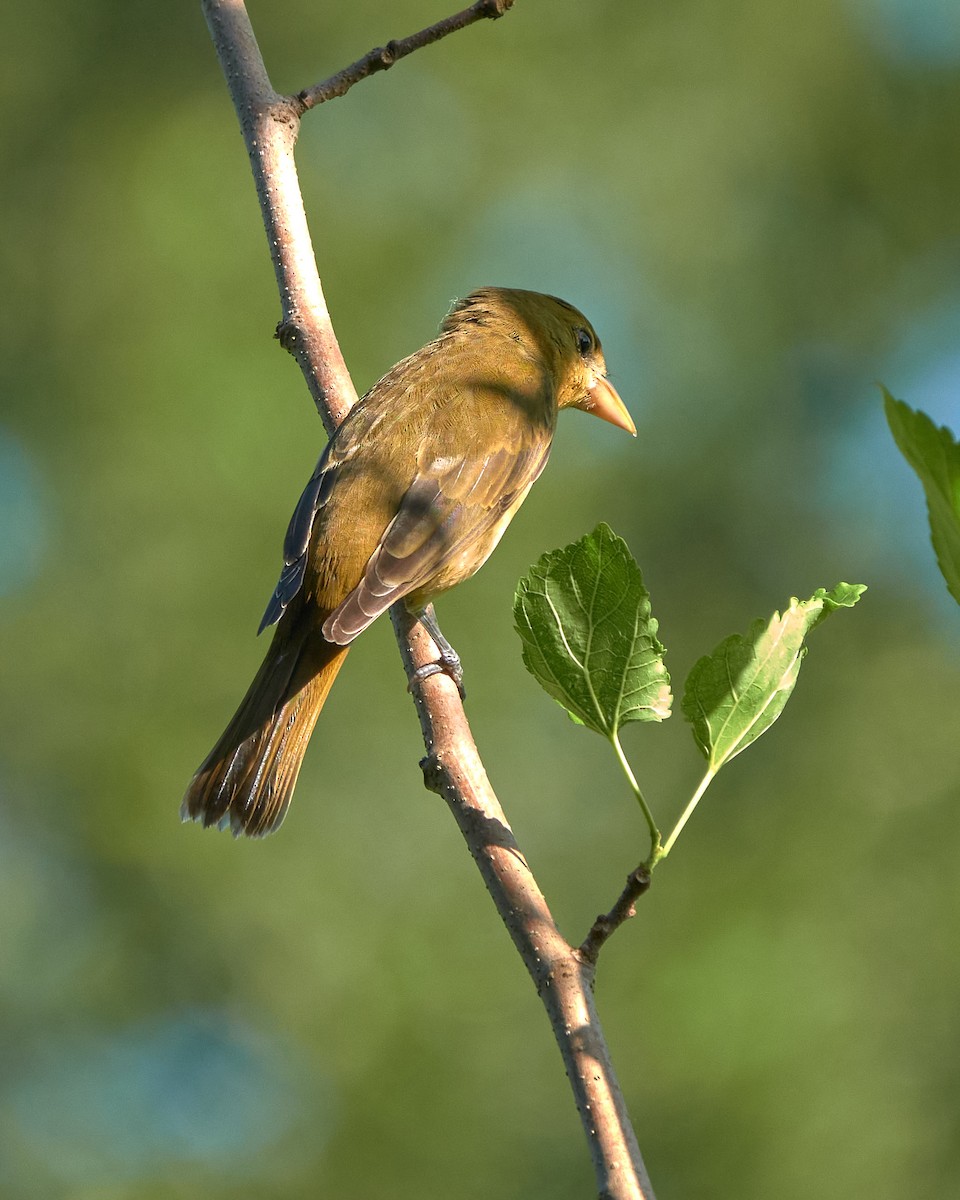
{"points": [[410, 496]]}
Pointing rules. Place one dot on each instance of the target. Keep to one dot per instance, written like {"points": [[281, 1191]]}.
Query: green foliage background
{"points": [[756, 204]]}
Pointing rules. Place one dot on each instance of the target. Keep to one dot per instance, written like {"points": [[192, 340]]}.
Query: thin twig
{"points": [[637, 883], [381, 58], [270, 123]]}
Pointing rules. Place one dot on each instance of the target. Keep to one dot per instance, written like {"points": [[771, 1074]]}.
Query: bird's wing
{"points": [[363, 422], [447, 522], [455, 499], [297, 540]]}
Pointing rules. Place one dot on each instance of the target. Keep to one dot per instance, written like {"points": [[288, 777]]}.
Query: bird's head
{"points": [[556, 333]]}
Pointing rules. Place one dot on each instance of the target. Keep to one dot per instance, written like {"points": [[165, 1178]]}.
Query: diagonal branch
{"points": [[563, 976], [270, 123], [383, 57], [638, 881]]}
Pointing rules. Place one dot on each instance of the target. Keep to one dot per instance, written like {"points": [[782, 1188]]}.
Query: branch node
{"points": [[288, 335], [433, 773]]}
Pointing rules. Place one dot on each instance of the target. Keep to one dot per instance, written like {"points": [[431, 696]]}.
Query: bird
{"points": [[409, 498]]}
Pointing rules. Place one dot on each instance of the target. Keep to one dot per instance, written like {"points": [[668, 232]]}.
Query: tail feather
{"points": [[246, 781]]}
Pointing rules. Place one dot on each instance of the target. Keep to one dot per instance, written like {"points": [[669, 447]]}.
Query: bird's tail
{"points": [[247, 779]]}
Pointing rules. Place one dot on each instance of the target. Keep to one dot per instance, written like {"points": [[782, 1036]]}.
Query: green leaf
{"points": [[935, 456], [737, 692], [583, 615]]}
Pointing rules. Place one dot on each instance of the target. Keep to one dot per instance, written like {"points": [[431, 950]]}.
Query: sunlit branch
{"points": [[381, 58]]}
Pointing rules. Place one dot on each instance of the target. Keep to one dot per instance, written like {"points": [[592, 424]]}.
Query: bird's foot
{"points": [[445, 665], [449, 661]]}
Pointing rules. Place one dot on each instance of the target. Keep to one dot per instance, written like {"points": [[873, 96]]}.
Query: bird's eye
{"points": [[584, 342]]}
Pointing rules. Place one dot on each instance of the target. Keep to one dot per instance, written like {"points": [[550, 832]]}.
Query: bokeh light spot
{"points": [[188, 1088], [23, 519], [912, 31]]}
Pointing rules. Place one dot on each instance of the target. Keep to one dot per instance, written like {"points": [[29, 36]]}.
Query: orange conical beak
{"points": [[602, 400]]}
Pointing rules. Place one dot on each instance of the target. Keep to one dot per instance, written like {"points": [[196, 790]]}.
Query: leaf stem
{"points": [[688, 811], [656, 853]]}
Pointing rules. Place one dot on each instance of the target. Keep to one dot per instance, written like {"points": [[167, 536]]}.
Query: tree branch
{"points": [[638, 881], [563, 977], [270, 124], [381, 58]]}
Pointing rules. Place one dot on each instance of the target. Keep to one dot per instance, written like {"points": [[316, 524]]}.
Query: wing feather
{"points": [[297, 540], [455, 506], [447, 523], [360, 424]]}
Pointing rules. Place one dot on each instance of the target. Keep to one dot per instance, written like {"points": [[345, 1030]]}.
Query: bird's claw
{"points": [[446, 664]]}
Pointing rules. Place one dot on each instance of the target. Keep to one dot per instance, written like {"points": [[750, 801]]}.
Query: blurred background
{"points": [[756, 203]]}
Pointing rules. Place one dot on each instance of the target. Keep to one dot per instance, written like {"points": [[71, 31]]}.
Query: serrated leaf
{"points": [[934, 454], [736, 693], [583, 616]]}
